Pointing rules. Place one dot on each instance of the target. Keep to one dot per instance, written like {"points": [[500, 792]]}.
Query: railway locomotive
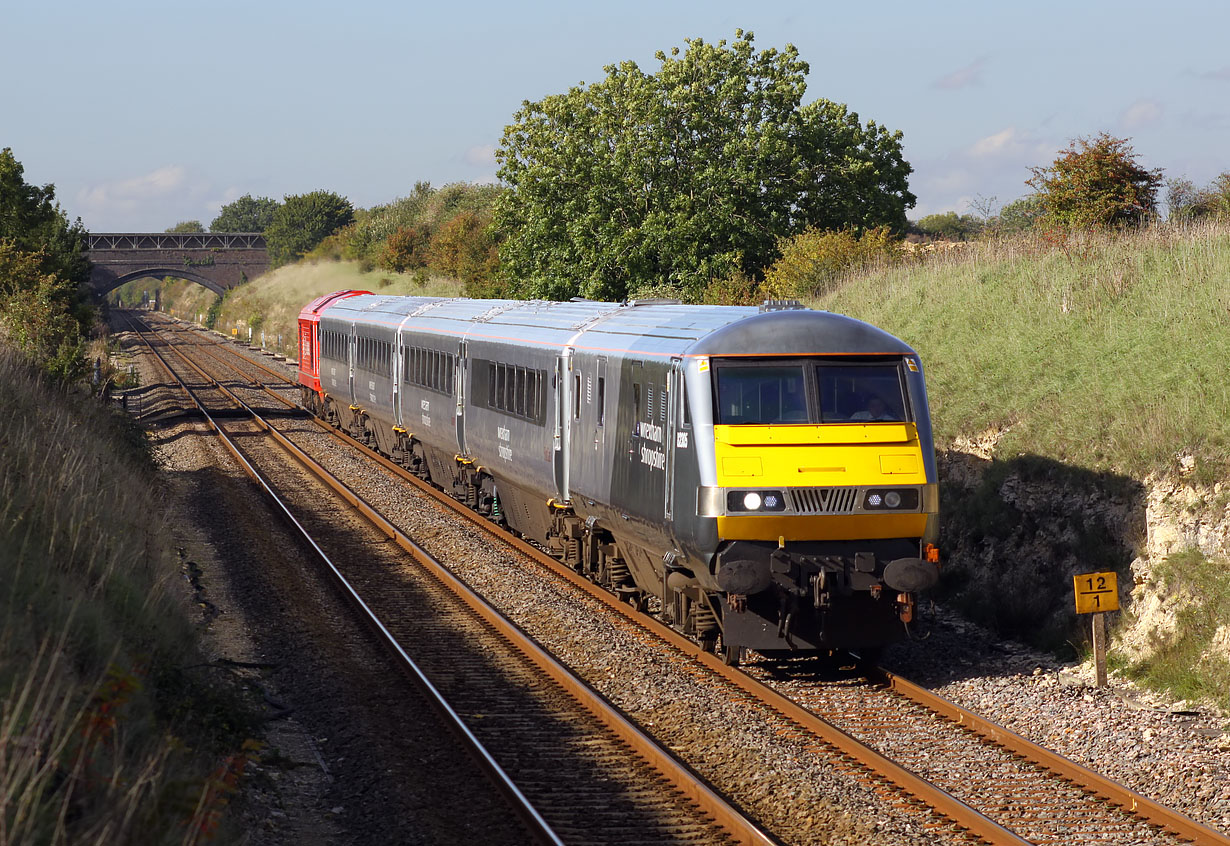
{"points": [[765, 476]]}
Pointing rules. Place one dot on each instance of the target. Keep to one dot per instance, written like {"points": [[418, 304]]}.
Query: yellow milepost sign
{"points": [[1096, 592]]}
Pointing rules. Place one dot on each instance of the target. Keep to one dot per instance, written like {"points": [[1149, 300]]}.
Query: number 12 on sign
{"points": [[1096, 592]]}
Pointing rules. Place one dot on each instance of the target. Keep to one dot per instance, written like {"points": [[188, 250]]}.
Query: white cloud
{"points": [[482, 155], [1010, 144], [127, 194], [964, 77], [1141, 113], [1221, 74]]}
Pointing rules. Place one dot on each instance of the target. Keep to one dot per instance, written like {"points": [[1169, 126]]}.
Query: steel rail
{"points": [[537, 826], [680, 775], [1099, 785], [1134, 803]]}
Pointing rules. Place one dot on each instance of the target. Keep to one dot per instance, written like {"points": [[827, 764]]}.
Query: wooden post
{"points": [[1099, 648]]}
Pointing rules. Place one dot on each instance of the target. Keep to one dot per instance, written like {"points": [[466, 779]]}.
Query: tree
{"points": [[1097, 182], [247, 214], [1020, 215], [949, 226], [32, 220], [1187, 202], [302, 222], [187, 227], [692, 174]]}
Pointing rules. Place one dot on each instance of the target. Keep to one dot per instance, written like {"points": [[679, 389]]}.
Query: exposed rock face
{"points": [[1015, 531], [1181, 516]]}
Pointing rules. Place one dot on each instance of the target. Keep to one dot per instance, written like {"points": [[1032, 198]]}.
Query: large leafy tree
{"points": [[1097, 182], [674, 179], [303, 221], [44, 310], [247, 214], [33, 222]]}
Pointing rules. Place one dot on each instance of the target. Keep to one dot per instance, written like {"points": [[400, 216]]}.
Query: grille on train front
{"points": [[823, 500]]}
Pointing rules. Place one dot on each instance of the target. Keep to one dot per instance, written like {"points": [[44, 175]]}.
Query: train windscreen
{"points": [[824, 392], [761, 394], [860, 393]]}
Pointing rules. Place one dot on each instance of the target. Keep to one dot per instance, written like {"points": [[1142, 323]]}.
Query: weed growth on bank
{"points": [[106, 735]]}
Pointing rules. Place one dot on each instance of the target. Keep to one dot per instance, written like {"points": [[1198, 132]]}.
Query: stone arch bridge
{"points": [[217, 260]]}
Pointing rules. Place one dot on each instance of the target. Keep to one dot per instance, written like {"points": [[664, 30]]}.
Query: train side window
{"points": [[576, 396], [601, 400], [636, 401], [684, 408]]}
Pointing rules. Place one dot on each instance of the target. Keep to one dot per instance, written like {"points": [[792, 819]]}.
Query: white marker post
{"points": [[1097, 593]]}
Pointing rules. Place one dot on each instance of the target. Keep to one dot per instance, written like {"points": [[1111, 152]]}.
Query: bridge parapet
{"points": [[176, 241]]}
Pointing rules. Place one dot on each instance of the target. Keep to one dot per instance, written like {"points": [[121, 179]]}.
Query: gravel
{"points": [[1173, 752]]}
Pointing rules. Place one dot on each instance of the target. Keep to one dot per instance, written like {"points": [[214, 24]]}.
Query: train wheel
{"points": [[732, 654]]}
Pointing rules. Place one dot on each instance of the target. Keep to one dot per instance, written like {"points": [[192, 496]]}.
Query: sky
{"points": [[145, 114]]}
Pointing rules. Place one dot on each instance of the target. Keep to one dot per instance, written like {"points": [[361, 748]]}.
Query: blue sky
{"points": [[144, 114]]}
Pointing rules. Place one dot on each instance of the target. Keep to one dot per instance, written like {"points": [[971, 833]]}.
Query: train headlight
{"points": [[740, 502], [891, 499]]}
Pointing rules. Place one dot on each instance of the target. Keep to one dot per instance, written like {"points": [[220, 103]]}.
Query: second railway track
{"points": [[1017, 796], [591, 779]]}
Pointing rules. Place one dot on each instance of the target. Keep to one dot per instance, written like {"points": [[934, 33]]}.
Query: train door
{"points": [[398, 371], [352, 344], [599, 422], [560, 438], [674, 381], [460, 369]]}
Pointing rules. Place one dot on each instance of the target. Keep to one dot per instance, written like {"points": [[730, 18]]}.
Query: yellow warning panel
{"points": [[1096, 592]]}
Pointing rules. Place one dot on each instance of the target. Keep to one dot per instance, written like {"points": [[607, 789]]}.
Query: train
{"points": [[760, 477]]}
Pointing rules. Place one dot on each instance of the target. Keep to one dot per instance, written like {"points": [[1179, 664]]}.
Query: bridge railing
{"points": [[176, 241]]}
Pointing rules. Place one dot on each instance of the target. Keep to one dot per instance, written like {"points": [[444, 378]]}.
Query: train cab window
{"points": [[860, 393], [761, 394]]}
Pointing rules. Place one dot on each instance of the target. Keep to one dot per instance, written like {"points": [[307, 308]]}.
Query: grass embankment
{"points": [[1104, 352], [1097, 362], [107, 732], [270, 304]]}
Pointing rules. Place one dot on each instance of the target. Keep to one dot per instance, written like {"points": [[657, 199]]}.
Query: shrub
{"points": [[465, 248], [406, 248], [1187, 202], [813, 262], [1019, 216], [1097, 182]]}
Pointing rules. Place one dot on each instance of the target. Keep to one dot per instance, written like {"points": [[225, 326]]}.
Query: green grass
{"points": [[1103, 352], [1188, 663], [271, 302], [105, 735]]}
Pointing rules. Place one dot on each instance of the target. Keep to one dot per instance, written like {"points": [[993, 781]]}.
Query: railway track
{"points": [[907, 745], [573, 768]]}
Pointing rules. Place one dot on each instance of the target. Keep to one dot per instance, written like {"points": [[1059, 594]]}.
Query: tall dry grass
{"points": [[106, 736]]}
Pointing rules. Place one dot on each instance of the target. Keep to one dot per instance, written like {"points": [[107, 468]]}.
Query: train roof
{"points": [[650, 327]]}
